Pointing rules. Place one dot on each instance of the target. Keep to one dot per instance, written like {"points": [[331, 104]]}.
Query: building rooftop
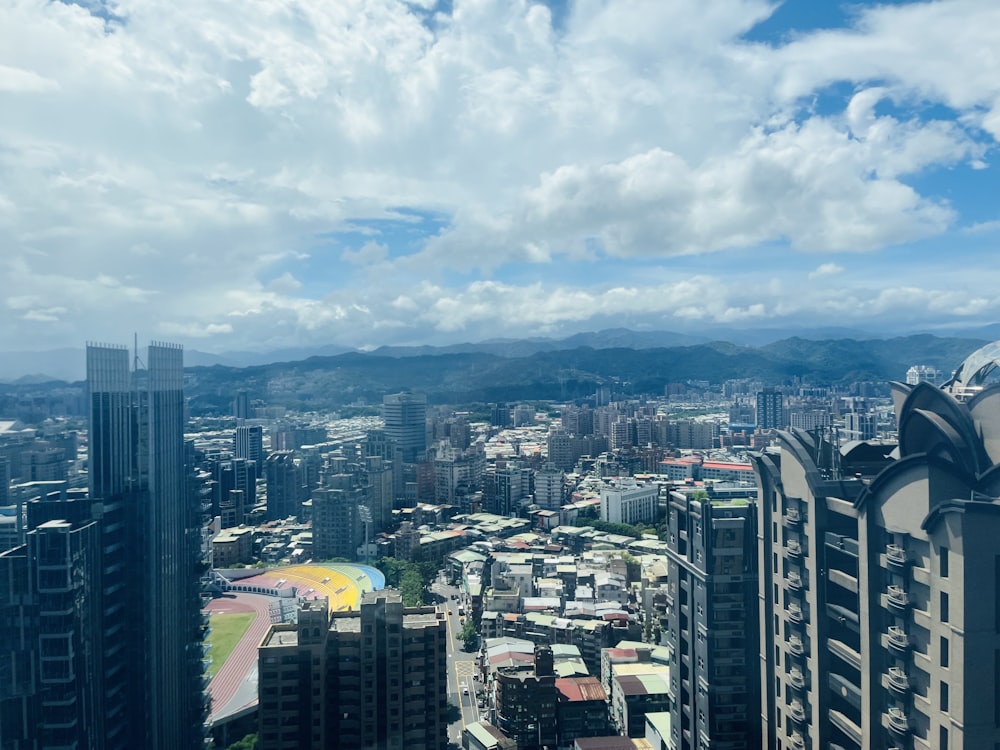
{"points": [[576, 689], [643, 684], [613, 743], [277, 636]]}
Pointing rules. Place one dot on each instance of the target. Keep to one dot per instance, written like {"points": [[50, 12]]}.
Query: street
{"points": [[461, 665]]}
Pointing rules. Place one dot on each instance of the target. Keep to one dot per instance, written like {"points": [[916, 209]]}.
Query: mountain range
{"points": [[631, 362], [67, 364]]}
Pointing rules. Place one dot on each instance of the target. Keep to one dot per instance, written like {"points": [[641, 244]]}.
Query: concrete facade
{"points": [[880, 581]]}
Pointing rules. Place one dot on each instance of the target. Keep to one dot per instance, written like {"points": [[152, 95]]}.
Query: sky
{"points": [[260, 174]]}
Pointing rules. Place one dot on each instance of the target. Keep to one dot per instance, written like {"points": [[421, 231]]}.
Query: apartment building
{"points": [[880, 578], [375, 679], [712, 623]]}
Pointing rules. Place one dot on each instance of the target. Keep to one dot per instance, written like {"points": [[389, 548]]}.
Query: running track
{"points": [[241, 662]]}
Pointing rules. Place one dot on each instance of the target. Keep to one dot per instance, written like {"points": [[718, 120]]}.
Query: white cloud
{"points": [[368, 254], [194, 330], [983, 227], [21, 81], [198, 153], [45, 315], [825, 270]]}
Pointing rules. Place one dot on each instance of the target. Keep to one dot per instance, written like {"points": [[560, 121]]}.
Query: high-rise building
{"points": [[375, 679], [405, 417], [237, 475], [860, 426], [880, 578], [49, 694], [151, 526], [241, 405], [550, 487], [560, 450], [100, 610], [248, 443], [770, 410], [337, 520], [511, 483], [500, 415], [712, 623], [282, 477]]}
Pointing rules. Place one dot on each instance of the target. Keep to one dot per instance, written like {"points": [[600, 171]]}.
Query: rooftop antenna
{"points": [[135, 353]]}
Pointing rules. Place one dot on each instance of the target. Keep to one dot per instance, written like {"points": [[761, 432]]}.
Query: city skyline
{"points": [[418, 172]]}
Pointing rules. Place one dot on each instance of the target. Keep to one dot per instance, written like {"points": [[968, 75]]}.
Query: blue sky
{"points": [[235, 175]]}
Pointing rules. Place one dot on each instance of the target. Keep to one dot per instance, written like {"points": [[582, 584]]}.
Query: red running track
{"points": [[243, 658]]}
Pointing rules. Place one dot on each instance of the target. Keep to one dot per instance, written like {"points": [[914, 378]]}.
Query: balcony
{"points": [[898, 721], [797, 741], [791, 517], [898, 638], [793, 580], [793, 548], [795, 645], [794, 612], [898, 679], [797, 711], [895, 556], [796, 678], [897, 598]]}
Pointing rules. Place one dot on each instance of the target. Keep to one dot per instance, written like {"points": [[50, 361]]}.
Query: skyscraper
{"points": [[151, 549], [405, 416], [283, 495], [712, 631], [248, 443]]}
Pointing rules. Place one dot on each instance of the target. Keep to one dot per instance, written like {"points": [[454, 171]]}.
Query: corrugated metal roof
{"points": [[576, 689]]}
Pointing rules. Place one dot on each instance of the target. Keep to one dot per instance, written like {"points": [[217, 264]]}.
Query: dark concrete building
{"points": [[526, 701], [374, 679], [770, 410], [283, 486], [712, 623]]}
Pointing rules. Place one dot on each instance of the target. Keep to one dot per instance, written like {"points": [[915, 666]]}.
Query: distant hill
{"points": [[461, 377], [449, 376]]}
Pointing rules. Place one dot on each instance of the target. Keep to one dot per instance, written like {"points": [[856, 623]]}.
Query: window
{"points": [[944, 651], [943, 562], [944, 606], [944, 696]]}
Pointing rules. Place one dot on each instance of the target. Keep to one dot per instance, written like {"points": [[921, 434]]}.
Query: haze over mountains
{"points": [[68, 364], [627, 361]]}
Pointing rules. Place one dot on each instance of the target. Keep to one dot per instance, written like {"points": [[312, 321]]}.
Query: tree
{"points": [[412, 587], [468, 634], [247, 743], [411, 578]]}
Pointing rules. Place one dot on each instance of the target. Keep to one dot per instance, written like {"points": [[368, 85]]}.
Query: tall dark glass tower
{"points": [[151, 548]]}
